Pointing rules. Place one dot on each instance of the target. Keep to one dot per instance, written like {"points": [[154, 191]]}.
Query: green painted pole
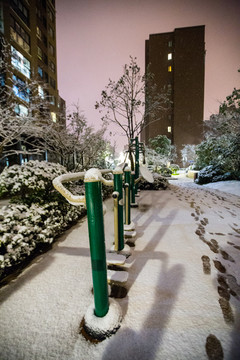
{"points": [[93, 189], [118, 186], [133, 185], [127, 185], [136, 162]]}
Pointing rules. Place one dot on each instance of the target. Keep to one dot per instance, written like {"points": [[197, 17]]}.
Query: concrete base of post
{"points": [[134, 205], [129, 227], [129, 234], [126, 251], [101, 328]]}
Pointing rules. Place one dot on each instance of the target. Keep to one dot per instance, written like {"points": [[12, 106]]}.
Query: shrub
{"points": [[39, 213], [159, 183], [165, 171], [30, 182], [213, 173], [174, 168], [24, 228]]}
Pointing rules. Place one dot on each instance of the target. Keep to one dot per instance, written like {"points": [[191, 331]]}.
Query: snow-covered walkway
{"points": [[183, 290]]}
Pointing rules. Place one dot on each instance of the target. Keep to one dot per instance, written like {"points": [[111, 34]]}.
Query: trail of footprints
{"points": [[227, 283]]}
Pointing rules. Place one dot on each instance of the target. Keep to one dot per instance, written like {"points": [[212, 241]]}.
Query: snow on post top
{"points": [[117, 170], [93, 175]]}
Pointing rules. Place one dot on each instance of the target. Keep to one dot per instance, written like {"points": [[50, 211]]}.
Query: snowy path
{"points": [[183, 290]]}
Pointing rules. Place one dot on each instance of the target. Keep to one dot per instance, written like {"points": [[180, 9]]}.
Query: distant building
{"points": [[177, 60], [29, 26]]}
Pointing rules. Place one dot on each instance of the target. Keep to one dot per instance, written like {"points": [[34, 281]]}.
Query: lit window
{"points": [[40, 91], [52, 100], [169, 56], [20, 62], [20, 89], [169, 69], [2, 80], [169, 129], [39, 33], [19, 35], [21, 110], [40, 71], [54, 116], [40, 53], [170, 44]]}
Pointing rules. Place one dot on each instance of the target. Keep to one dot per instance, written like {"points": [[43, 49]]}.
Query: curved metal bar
{"points": [[77, 200], [71, 198]]}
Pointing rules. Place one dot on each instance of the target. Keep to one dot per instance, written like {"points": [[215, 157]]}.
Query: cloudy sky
{"points": [[96, 37]]}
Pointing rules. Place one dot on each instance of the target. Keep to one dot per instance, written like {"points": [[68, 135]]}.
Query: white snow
{"points": [[103, 326], [115, 259], [117, 276], [231, 186], [93, 175], [172, 305]]}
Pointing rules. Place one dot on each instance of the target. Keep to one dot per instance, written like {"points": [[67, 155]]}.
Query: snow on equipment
{"points": [[103, 308], [93, 201]]}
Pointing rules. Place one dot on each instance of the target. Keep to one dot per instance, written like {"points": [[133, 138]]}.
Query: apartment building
{"points": [[29, 26], [177, 60]]}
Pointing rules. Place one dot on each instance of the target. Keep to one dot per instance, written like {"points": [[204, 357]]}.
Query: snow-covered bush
{"points": [[24, 228], [213, 173], [159, 183], [30, 182], [174, 168], [39, 213], [164, 171]]}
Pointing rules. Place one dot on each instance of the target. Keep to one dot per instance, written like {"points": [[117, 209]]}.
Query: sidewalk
{"points": [[183, 290]]}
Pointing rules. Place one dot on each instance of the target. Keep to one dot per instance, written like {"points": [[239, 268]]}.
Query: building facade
{"points": [[29, 27], [177, 60]]}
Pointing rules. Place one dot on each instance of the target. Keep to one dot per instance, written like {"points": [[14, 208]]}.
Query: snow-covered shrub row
{"points": [[39, 213], [31, 182], [23, 228], [159, 183], [213, 173]]}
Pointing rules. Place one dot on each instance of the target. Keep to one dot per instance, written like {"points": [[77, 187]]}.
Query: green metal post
{"points": [[127, 185], [97, 245], [136, 162], [118, 186], [133, 189]]}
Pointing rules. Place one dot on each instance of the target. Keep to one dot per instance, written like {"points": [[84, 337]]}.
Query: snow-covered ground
{"points": [[231, 186], [182, 294]]}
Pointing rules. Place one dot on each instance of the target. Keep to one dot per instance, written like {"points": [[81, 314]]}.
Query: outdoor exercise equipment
{"points": [[132, 176], [93, 180], [118, 209], [92, 200]]}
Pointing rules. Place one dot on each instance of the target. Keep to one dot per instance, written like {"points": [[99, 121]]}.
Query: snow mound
{"points": [[102, 327], [93, 175]]}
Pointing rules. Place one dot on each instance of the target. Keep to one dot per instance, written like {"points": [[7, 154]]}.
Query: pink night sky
{"points": [[96, 37]]}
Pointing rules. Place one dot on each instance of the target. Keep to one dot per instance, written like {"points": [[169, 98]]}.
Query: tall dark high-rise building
{"points": [[29, 27], [177, 60]]}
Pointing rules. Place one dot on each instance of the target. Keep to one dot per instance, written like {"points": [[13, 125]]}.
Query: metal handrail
{"points": [[79, 199]]}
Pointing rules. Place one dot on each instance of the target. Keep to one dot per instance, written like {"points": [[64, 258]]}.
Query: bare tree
{"points": [[131, 100], [33, 132], [76, 146]]}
